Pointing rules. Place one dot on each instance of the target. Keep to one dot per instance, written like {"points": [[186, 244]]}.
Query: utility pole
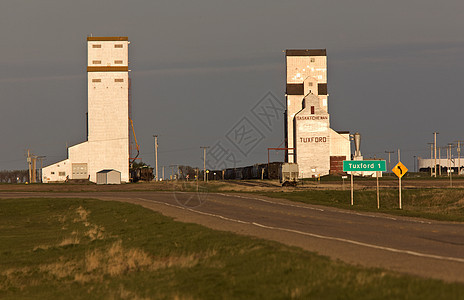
{"points": [[32, 161], [450, 169], [414, 163], [29, 162], [34, 169], [431, 158], [399, 160], [435, 141], [439, 159], [458, 148], [156, 157], [176, 173], [389, 153], [449, 158], [204, 161], [41, 166], [163, 173], [459, 156], [172, 171]]}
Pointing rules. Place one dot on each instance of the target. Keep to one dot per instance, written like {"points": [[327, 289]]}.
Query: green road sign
{"points": [[364, 165]]}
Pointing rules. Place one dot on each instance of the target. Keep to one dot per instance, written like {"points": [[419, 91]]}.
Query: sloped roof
{"points": [[107, 171]]}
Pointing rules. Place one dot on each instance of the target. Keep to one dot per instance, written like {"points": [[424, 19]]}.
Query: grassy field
{"points": [[436, 204], [89, 249]]}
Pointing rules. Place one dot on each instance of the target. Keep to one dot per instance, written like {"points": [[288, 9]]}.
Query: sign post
{"points": [[343, 181], [400, 170], [378, 197], [352, 189], [362, 166]]}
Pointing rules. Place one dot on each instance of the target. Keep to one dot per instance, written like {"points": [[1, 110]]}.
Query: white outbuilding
{"points": [[108, 177]]}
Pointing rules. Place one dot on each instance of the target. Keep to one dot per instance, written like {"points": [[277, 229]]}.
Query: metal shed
{"points": [[108, 177]]}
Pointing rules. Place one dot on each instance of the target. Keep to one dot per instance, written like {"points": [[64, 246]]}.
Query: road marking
{"points": [[414, 253], [334, 210], [196, 211], [461, 260]]}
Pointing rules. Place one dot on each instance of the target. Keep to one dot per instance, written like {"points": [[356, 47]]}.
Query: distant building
{"points": [[107, 145], [318, 149], [425, 164]]}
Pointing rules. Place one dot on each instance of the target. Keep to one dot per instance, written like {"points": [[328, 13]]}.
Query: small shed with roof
{"points": [[108, 176]]}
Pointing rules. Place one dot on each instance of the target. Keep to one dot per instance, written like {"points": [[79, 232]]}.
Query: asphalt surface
{"points": [[421, 247]]}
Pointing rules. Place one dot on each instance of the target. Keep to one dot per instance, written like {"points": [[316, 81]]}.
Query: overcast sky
{"points": [[395, 72]]}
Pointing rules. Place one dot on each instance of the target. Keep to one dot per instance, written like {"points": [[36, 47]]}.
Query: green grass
{"points": [[90, 249], [436, 204]]}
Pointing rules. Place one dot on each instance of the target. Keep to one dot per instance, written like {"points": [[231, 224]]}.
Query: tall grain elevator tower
{"points": [[107, 145], [306, 73], [316, 148], [108, 104]]}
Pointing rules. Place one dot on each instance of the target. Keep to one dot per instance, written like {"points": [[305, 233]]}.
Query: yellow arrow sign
{"points": [[399, 170]]}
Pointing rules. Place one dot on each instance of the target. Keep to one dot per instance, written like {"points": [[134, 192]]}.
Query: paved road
{"points": [[426, 248]]}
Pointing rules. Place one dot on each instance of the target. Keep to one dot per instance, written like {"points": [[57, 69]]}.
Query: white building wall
{"points": [[108, 122], [312, 139], [340, 144], [107, 53], [300, 67], [57, 172]]}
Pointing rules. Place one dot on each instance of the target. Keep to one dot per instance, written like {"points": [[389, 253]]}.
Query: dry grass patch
{"points": [[41, 247], [72, 240], [82, 214], [113, 261], [95, 232], [118, 260], [123, 293], [60, 269]]}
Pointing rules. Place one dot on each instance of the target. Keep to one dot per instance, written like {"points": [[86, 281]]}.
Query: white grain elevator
{"points": [[107, 145]]}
